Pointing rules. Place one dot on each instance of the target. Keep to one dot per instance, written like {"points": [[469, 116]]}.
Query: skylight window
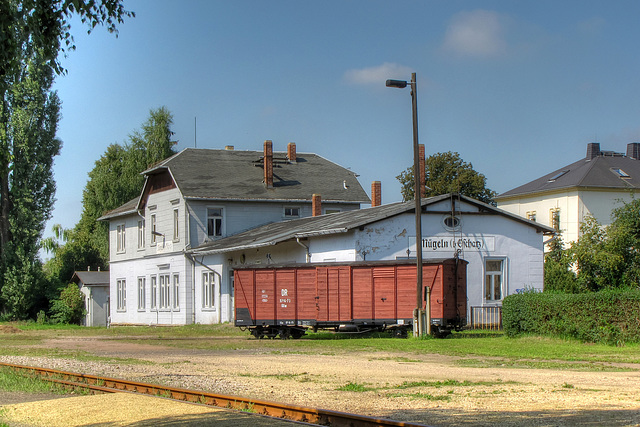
{"points": [[558, 175], [620, 173]]}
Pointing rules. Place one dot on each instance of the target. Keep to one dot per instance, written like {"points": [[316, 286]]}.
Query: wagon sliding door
{"points": [[285, 294], [265, 297], [384, 294]]}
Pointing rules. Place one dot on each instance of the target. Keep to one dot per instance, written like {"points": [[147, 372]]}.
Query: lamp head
{"points": [[400, 84]]}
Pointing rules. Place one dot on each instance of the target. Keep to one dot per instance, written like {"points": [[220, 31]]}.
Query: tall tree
{"points": [[32, 34], [30, 138], [448, 173], [114, 180]]}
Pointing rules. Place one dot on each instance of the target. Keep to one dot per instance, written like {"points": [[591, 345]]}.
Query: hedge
{"points": [[611, 316]]}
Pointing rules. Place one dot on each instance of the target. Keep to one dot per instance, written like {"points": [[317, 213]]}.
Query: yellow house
{"points": [[594, 185]]}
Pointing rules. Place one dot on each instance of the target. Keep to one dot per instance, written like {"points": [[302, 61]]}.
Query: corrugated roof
{"points": [[598, 172], [272, 234]]}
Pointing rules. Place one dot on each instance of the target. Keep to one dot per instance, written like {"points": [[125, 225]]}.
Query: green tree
{"points": [[558, 274], [114, 180], [33, 112], [32, 34], [69, 307], [448, 173]]}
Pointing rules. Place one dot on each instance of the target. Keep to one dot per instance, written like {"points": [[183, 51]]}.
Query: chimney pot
{"points": [[376, 194], [633, 150], [593, 150], [316, 205], [291, 152], [268, 164]]}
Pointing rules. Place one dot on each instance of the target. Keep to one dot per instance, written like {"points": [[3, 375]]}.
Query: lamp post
{"points": [[417, 191]]}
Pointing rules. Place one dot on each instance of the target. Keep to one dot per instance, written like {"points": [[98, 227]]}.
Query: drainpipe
{"points": [[306, 247], [219, 281]]}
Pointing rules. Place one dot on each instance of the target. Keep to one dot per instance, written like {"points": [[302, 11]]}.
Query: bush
{"points": [[69, 308], [610, 316]]}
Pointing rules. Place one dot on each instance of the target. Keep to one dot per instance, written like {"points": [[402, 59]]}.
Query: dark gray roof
{"points": [[91, 278], [272, 234], [128, 208], [238, 175], [598, 172]]}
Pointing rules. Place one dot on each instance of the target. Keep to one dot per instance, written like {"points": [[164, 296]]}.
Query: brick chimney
{"points": [[593, 150], [376, 194], [633, 150], [316, 205], [423, 186], [268, 164], [291, 152]]}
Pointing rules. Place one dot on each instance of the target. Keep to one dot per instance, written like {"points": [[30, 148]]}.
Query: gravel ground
{"points": [[467, 395]]}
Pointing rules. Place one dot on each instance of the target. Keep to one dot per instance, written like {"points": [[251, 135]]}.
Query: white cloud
{"points": [[477, 33], [378, 75]]}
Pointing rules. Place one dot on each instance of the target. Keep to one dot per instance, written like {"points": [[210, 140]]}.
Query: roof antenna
{"points": [[195, 132]]}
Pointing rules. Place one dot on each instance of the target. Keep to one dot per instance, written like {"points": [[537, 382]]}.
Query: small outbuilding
{"points": [[95, 287]]}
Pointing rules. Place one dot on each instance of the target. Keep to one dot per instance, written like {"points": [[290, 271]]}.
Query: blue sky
{"points": [[518, 88]]}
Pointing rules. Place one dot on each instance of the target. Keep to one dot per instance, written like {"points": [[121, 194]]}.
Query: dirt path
{"points": [[437, 390]]}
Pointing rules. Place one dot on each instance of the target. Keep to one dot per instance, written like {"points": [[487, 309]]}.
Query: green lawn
{"points": [[473, 349]]}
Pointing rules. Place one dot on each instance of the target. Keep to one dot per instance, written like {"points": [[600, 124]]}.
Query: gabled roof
{"points": [[91, 278], [272, 234], [238, 175], [599, 172], [230, 175]]}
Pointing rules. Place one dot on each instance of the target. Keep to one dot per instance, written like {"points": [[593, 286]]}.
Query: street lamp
{"points": [[417, 191]]}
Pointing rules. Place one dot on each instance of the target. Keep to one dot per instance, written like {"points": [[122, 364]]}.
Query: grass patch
{"points": [[11, 381], [491, 349], [449, 383], [423, 396], [357, 387]]}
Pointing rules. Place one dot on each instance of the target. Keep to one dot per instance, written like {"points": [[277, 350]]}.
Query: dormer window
{"points": [[214, 222], [291, 212], [620, 173], [557, 175]]}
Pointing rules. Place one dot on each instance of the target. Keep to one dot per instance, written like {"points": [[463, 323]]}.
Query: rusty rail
{"points": [[271, 409]]}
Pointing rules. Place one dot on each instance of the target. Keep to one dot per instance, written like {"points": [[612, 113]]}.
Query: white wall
{"points": [[131, 271], [518, 244]]}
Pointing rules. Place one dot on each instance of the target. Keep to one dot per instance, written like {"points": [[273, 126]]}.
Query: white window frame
{"points": [[165, 291], [176, 225], [121, 238], [491, 276], [154, 225], [141, 236], [208, 290], [291, 212], [121, 286], [142, 293], [217, 231], [154, 293], [175, 296]]}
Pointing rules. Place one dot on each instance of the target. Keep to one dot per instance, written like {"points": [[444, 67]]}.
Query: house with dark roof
{"points": [[94, 285], [198, 197], [591, 186], [504, 251]]}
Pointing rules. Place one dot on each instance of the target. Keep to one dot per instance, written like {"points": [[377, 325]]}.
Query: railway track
{"points": [[272, 409]]}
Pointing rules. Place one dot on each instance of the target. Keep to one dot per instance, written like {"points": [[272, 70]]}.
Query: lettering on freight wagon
{"points": [[284, 301], [264, 296]]}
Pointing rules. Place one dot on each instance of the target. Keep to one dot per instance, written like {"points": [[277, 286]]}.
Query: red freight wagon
{"points": [[285, 300]]}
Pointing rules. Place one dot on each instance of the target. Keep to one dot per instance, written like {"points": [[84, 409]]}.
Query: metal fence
{"points": [[489, 318]]}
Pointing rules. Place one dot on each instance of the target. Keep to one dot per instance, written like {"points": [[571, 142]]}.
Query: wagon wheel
{"points": [[284, 333]]}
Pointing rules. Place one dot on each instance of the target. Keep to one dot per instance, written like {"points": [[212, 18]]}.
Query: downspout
{"points": [[187, 212], [219, 281], [308, 255]]}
